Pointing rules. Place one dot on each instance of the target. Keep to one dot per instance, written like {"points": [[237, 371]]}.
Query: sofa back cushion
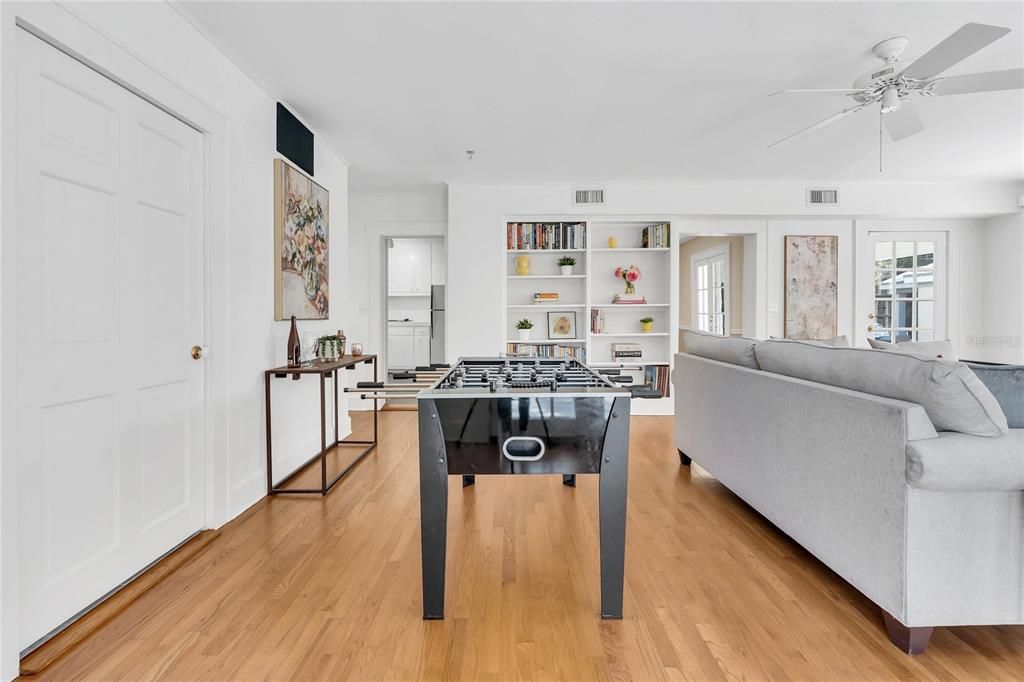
{"points": [[954, 398], [1007, 385], [736, 350]]}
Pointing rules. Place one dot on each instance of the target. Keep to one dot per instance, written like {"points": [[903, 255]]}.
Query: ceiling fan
{"points": [[892, 84]]}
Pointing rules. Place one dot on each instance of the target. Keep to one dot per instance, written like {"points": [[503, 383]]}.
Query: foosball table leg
{"points": [[569, 480], [433, 509], [612, 495], [468, 480]]}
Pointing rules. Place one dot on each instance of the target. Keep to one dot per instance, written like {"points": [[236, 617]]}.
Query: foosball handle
{"points": [[369, 384]]}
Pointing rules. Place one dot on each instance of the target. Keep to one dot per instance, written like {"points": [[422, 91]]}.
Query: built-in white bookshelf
{"points": [[591, 289]]}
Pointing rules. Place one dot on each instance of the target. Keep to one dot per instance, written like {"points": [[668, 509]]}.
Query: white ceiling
{"points": [[578, 92]]}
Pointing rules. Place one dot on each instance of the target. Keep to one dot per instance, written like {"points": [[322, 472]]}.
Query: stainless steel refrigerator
{"points": [[437, 304]]}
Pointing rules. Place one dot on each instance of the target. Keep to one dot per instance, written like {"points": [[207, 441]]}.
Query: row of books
{"points": [[538, 350], [655, 237], [521, 236], [597, 321], [545, 297], [657, 377]]}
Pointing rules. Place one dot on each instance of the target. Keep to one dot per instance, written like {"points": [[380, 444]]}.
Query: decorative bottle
{"points": [[294, 346], [341, 343]]}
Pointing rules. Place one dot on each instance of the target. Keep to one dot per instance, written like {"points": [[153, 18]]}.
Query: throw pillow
{"points": [[1007, 384], [932, 349]]}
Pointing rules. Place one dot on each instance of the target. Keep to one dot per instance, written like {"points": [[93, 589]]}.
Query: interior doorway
{"points": [[415, 304], [716, 283]]}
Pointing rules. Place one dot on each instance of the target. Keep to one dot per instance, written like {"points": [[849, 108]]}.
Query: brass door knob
{"points": [[871, 316], [871, 327], [197, 352]]}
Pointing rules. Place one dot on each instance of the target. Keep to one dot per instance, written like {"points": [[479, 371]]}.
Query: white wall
{"points": [[477, 214], [999, 337], [374, 216], [155, 50]]}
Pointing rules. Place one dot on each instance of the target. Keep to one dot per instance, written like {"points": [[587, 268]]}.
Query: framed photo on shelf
{"points": [[562, 325]]}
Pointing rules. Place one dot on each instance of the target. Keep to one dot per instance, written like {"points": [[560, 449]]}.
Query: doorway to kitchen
{"points": [[415, 304]]}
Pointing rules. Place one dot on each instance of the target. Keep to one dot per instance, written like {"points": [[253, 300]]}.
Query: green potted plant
{"points": [[647, 324], [524, 326], [565, 264]]}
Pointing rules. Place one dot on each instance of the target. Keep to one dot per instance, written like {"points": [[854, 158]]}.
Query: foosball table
{"points": [[487, 416]]}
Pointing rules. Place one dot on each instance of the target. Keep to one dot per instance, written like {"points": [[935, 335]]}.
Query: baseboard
{"points": [[76, 633]]}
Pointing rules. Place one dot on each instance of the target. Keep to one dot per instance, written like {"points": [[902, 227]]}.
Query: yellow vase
{"points": [[522, 265], [647, 327], [613, 242]]}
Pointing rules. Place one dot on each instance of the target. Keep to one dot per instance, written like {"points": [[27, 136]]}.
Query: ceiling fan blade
{"points": [[836, 91], [964, 42], [903, 122], [820, 124], [1010, 79]]}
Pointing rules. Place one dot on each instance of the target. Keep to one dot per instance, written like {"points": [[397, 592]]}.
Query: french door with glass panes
{"points": [[711, 290], [908, 286]]}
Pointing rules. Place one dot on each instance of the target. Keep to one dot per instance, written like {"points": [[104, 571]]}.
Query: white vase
{"points": [[566, 269], [524, 334]]}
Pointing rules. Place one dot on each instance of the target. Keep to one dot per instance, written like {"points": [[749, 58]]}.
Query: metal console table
{"points": [[326, 371]]}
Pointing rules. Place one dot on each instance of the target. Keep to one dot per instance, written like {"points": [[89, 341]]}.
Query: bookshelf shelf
{"points": [[633, 250], [589, 292], [631, 334]]}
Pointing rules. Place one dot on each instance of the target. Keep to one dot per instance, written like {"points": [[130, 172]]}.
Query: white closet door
{"points": [[108, 279]]}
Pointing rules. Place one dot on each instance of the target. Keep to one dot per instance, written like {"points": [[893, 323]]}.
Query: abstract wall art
{"points": [[301, 241], [812, 285]]}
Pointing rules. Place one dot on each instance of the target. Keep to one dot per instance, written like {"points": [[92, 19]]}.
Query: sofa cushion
{"points": [[1007, 385], [735, 350], [951, 394], [957, 461], [932, 349]]}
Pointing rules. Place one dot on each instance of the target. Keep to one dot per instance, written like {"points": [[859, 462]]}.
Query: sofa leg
{"points": [[911, 641], [683, 459]]}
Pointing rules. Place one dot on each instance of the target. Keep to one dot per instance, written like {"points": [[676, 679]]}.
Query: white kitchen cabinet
{"points": [[421, 346], [409, 267], [401, 351]]}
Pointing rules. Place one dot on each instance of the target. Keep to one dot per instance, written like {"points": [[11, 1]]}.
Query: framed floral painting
{"points": [[301, 245]]}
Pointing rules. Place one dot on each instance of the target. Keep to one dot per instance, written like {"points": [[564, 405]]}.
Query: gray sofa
{"points": [[927, 524]]}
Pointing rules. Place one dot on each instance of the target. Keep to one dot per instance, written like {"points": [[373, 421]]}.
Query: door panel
{"points": [[108, 280]]}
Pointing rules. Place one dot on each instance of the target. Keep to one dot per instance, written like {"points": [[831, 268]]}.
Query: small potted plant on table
{"points": [[565, 264], [524, 326], [646, 324]]}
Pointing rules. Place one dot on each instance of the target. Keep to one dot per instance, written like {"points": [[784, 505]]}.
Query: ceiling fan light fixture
{"points": [[890, 100]]}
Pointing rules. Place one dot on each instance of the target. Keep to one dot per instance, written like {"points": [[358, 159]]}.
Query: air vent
{"points": [[589, 197], [822, 197]]}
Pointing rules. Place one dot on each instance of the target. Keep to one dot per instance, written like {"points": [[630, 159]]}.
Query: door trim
{"points": [[62, 29]]}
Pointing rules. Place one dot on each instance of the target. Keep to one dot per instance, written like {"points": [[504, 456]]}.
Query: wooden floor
{"points": [[303, 589]]}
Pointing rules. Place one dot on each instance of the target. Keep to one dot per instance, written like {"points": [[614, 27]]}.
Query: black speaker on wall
{"points": [[294, 140]]}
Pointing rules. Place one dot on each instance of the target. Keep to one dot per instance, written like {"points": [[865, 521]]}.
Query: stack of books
{"points": [[655, 237], [626, 351], [629, 299], [545, 297]]}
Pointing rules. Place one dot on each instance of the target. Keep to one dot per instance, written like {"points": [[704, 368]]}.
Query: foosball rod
{"points": [[389, 396]]}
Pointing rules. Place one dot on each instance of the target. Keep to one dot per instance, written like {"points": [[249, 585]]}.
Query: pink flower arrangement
{"points": [[629, 275]]}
